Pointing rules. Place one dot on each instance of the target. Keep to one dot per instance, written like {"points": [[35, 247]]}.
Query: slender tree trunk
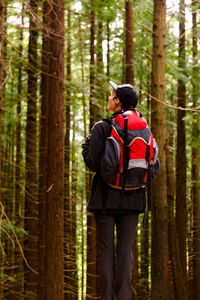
{"points": [[159, 249], [43, 150], [145, 231], [91, 233], [1, 81], [87, 187], [74, 282], [180, 289], [92, 66], [108, 61], [31, 207], [82, 77], [144, 264], [181, 207], [9, 205], [54, 263], [18, 260], [129, 76], [100, 78], [67, 203], [195, 164], [129, 42]]}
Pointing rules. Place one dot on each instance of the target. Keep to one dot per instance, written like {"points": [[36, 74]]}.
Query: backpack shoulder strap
{"points": [[108, 120], [126, 153]]}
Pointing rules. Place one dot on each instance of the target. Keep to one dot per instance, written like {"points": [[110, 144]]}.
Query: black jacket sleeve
{"points": [[93, 147]]}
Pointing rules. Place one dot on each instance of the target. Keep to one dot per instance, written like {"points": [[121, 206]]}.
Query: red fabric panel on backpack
{"points": [[138, 149], [134, 121]]}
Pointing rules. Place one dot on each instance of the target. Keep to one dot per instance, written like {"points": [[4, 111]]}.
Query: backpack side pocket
{"points": [[110, 161]]}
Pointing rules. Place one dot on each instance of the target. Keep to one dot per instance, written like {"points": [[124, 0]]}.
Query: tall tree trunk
{"points": [[159, 249], [108, 61], [54, 206], [195, 163], [145, 231], [43, 150], [91, 233], [82, 77], [92, 66], [130, 79], [181, 207], [10, 213], [180, 289], [129, 42], [87, 187], [31, 207], [18, 260], [144, 263], [67, 202], [1, 81], [74, 282], [100, 78], [52, 154]]}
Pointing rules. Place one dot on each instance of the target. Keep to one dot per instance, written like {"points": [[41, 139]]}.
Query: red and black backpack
{"points": [[128, 151]]}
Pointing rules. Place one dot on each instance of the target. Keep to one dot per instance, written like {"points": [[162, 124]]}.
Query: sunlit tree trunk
{"points": [[87, 187], [195, 162], [159, 249], [82, 77], [92, 65], [18, 260], [181, 207], [129, 42], [31, 207], [100, 76], [108, 61], [91, 233], [1, 81]]}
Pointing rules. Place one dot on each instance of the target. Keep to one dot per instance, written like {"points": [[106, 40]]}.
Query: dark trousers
{"points": [[115, 277]]}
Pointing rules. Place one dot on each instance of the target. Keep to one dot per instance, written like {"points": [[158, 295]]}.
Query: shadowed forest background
{"points": [[56, 59]]}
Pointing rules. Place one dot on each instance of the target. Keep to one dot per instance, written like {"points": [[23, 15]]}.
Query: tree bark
{"points": [[74, 279], [144, 264], [18, 260], [55, 157], [67, 202], [159, 249], [52, 154], [92, 66], [195, 163], [100, 78], [1, 81], [129, 43], [180, 288], [91, 232], [181, 207], [43, 150], [31, 207]]}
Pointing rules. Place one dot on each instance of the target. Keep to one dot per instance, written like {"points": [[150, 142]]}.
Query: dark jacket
{"points": [[102, 196]]}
